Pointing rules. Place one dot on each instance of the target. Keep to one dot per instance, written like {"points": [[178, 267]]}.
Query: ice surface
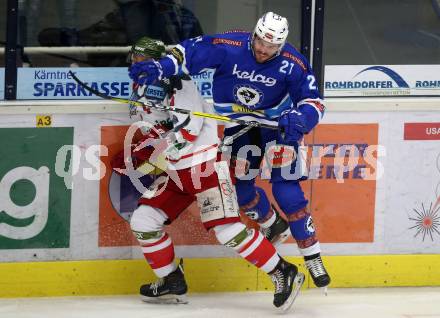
{"points": [[340, 303]]}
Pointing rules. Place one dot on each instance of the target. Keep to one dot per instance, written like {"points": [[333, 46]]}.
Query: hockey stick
{"points": [[168, 108]]}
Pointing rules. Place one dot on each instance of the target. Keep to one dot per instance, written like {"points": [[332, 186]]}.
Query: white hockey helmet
{"points": [[272, 28]]}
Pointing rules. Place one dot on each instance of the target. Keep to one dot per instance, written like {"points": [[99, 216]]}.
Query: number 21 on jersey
{"points": [[286, 67]]}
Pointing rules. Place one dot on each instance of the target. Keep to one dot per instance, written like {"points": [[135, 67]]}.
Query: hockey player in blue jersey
{"points": [[259, 77]]}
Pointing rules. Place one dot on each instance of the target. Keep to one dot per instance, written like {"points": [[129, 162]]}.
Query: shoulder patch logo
{"points": [[295, 59], [235, 31], [177, 54], [226, 41]]}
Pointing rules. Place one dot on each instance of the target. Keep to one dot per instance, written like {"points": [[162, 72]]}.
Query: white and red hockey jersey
{"points": [[198, 135]]}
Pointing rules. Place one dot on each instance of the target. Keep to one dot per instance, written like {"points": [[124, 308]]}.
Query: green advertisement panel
{"points": [[34, 201]]}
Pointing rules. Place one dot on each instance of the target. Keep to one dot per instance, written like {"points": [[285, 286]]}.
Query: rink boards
{"points": [[374, 189]]}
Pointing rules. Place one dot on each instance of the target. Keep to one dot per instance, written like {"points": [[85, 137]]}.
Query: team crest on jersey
{"points": [[248, 95]]}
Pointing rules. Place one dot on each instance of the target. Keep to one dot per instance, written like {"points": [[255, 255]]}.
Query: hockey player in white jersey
{"points": [[259, 76], [191, 151]]}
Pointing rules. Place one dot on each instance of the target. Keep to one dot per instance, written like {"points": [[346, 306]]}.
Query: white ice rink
{"points": [[340, 303]]}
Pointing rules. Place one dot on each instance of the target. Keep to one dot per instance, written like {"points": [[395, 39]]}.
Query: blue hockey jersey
{"points": [[243, 88]]}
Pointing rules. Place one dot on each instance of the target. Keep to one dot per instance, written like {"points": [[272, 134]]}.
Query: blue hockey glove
{"points": [[146, 72], [292, 126]]}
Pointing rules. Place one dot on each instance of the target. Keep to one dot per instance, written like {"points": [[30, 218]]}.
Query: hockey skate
{"points": [[279, 231], [317, 270], [170, 289], [287, 281]]}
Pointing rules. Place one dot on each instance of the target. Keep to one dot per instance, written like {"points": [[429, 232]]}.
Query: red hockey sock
{"points": [[160, 256], [260, 252]]}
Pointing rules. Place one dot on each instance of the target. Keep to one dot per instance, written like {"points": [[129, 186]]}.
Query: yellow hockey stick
{"points": [[170, 108]]}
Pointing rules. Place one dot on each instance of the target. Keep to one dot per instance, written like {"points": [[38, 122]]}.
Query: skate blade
{"points": [[298, 282], [324, 290], [166, 299]]}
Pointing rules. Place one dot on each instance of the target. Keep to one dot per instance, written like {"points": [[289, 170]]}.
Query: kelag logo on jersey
{"points": [[248, 95], [253, 77]]}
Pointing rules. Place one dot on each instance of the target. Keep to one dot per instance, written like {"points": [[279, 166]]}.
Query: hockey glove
{"points": [[146, 72], [292, 126]]}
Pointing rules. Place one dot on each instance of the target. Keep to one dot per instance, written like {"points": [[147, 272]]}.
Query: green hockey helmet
{"points": [[147, 47]]}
